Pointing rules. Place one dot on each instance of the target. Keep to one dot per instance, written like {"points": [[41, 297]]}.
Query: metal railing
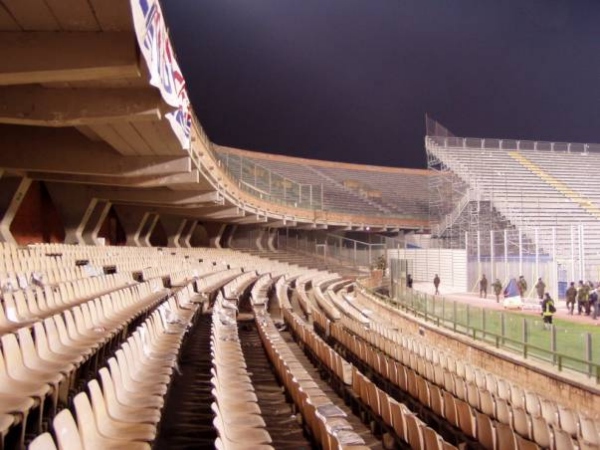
{"points": [[337, 249], [561, 346], [512, 144], [267, 185]]}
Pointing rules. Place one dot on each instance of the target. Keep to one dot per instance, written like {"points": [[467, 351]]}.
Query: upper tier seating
{"points": [[534, 189], [398, 193]]}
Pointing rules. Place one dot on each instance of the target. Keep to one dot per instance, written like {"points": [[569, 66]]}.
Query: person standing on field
{"points": [[571, 295], [436, 283], [540, 288], [497, 285], [483, 285]]}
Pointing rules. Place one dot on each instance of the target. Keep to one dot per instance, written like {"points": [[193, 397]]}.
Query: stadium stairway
{"points": [[187, 417], [281, 423]]}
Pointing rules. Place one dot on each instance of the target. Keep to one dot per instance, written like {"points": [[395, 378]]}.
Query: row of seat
{"points": [[324, 420], [43, 362], [447, 394], [393, 415], [504, 401], [443, 403], [122, 407], [24, 307], [238, 418], [326, 355]]}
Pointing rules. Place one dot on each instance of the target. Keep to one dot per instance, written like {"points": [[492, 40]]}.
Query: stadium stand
{"points": [[131, 318]]}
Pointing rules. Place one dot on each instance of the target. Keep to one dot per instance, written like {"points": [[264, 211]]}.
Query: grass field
{"points": [[577, 345]]}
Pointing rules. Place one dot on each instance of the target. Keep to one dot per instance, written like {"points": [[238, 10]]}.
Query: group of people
{"points": [[586, 295]]}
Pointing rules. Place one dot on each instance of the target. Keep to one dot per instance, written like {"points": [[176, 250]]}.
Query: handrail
{"points": [[418, 304]]}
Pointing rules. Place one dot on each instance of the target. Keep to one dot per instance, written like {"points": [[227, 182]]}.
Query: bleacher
{"points": [[97, 372], [399, 192], [111, 347], [532, 189]]}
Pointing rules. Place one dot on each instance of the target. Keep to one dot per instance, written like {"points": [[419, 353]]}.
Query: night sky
{"points": [[351, 80]]}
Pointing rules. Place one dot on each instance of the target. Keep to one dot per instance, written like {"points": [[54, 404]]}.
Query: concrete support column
{"points": [[186, 235], [271, 239], [259, 237], [230, 236], [215, 240], [75, 205], [173, 227], [132, 219], [12, 193], [95, 221], [147, 229]]}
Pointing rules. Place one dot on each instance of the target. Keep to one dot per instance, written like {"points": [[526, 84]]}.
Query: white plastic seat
{"points": [[125, 412], [114, 429], [43, 442], [126, 395], [91, 436]]}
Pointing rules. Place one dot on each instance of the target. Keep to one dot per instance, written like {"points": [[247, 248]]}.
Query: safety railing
{"points": [[263, 183], [566, 346]]}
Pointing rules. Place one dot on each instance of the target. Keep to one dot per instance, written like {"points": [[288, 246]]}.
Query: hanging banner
{"points": [[165, 74]]}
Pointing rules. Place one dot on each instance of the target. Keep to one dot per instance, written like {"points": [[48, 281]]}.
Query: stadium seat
{"points": [[43, 442]]}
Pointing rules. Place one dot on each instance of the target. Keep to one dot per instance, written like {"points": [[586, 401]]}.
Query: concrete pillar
{"points": [[271, 239], [173, 227], [95, 221], [147, 229], [132, 219], [259, 236], [230, 236], [12, 193], [75, 205], [186, 235], [215, 240]]}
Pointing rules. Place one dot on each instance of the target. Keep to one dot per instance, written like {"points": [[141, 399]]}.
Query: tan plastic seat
{"points": [[239, 434], [6, 422], [505, 437], [239, 416], [568, 420], [589, 432], [431, 439], [522, 422], [466, 418], [450, 413], [43, 442], [563, 440], [127, 396], [91, 436], [114, 429], [66, 431], [414, 428], [45, 351], [125, 412], [525, 444], [486, 432]]}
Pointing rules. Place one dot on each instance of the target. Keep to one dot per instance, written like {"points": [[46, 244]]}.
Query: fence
{"points": [[333, 248], [564, 346], [265, 184]]}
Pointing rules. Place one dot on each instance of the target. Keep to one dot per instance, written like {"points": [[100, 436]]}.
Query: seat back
{"points": [[66, 431]]}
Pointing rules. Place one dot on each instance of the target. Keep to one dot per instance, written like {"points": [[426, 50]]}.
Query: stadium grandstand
{"points": [[161, 291]]}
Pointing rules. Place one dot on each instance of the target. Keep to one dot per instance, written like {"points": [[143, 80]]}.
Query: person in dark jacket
{"points": [[571, 295], [548, 310]]}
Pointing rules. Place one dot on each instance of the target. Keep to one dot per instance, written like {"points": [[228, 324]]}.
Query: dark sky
{"points": [[351, 80]]}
